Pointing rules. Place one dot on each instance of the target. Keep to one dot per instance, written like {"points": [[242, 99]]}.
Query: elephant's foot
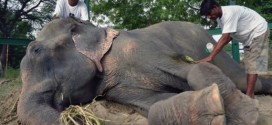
{"points": [[204, 107], [241, 109]]}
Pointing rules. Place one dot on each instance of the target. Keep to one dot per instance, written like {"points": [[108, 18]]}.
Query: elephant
{"points": [[72, 62]]}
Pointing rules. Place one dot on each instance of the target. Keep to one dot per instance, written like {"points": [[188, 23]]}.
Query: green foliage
{"points": [[43, 14], [264, 7], [23, 30], [132, 14], [11, 73]]}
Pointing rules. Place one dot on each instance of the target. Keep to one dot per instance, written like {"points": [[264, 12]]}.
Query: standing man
{"points": [[246, 26], [74, 8]]}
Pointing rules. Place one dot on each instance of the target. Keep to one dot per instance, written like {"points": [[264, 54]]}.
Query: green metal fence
{"points": [[13, 41]]}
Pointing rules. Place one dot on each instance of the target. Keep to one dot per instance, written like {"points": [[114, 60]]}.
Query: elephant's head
{"points": [[55, 74]]}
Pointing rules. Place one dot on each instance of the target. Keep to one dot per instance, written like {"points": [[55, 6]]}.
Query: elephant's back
{"points": [[172, 27], [184, 38]]}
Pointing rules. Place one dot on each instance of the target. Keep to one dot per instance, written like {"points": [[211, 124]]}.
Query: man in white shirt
{"points": [[74, 8], [246, 26]]}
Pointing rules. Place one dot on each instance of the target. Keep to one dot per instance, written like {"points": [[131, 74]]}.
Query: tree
{"points": [[18, 18], [131, 14]]}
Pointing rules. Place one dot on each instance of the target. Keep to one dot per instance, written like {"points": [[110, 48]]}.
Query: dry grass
{"points": [[78, 115]]}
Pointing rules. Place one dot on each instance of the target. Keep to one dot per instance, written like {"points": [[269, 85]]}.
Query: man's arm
{"points": [[224, 39]]}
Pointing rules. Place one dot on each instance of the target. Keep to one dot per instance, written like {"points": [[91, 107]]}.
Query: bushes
{"points": [[11, 73]]}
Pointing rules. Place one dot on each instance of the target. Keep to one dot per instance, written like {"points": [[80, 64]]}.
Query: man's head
{"points": [[210, 9], [73, 2]]}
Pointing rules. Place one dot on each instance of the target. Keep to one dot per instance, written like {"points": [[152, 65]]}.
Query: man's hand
{"points": [[207, 59], [224, 39]]}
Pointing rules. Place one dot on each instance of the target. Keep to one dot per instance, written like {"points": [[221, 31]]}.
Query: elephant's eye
{"points": [[36, 50]]}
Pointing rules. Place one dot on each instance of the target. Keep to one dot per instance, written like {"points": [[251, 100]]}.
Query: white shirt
{"points": [[243, 23], [64, 9]]}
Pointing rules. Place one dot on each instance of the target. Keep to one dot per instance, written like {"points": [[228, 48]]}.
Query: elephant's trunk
{"points": [[35, 106]]}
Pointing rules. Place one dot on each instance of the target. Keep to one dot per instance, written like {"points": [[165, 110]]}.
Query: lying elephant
{"points": [[72, 62]]}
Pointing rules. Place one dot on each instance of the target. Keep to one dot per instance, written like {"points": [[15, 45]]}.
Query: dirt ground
{"points": [[111, 113]]}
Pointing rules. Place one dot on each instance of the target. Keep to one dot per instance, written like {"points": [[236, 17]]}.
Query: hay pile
{"points": [[102, 113], [78, 115]]}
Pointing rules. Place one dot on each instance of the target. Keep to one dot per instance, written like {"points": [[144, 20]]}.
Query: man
{"points": [[75, 8], [246, 26]]}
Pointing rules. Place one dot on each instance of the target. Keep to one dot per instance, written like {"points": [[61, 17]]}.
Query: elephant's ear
{"points": [[95, 44]]}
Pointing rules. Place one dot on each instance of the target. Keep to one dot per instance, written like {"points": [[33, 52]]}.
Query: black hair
{"points": [[206, 6]]}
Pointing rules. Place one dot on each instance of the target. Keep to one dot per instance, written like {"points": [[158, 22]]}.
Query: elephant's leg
{"points": [[239, 108], [203, 107], [138, 98]]}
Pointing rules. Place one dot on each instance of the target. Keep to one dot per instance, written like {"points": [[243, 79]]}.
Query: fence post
{"points": [[87, 2], [235, 50]]}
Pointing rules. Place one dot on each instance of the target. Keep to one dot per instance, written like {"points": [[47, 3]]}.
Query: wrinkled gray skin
{"points": [[71, 63]]}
